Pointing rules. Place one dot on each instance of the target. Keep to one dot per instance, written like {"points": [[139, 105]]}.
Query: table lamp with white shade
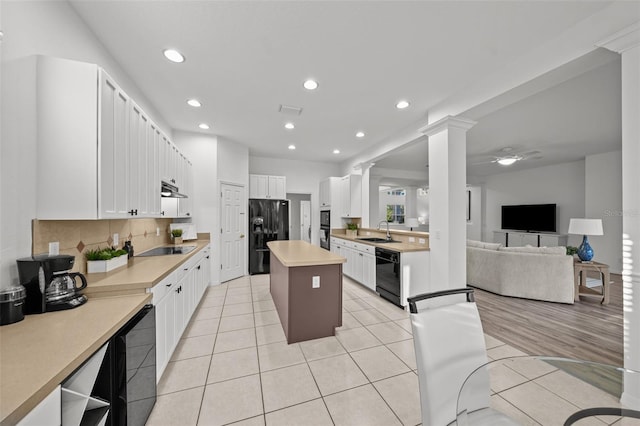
{"points": [[585, 227], [412, 222]]}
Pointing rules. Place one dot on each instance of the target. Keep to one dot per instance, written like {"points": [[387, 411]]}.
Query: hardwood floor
{"points": [[585, 330]]}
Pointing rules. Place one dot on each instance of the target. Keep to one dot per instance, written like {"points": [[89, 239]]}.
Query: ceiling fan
{"points": [[508, 156]]}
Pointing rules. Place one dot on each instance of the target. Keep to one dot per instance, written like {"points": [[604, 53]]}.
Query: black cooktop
{"points": [[161, 251]]}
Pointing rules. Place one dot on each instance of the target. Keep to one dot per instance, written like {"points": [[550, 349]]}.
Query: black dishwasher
{"points": [[388, 275], [131, 360]]}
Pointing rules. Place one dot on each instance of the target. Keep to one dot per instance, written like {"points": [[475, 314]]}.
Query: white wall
{"points": [[202, 150], [562, 184], [303, 177], [603, 200], [37, 28]]}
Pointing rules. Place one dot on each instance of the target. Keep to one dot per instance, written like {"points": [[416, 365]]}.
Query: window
{"points": [[395, 213]]}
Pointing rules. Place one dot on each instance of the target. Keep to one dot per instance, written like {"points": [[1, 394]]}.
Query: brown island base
{"points": [[306, 286]]}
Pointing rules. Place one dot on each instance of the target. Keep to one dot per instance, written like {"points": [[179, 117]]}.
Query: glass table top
{"points": [[541, 390]]}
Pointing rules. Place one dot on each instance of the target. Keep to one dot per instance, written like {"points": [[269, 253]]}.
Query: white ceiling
{"points": [[566, 122], [245, 58]]}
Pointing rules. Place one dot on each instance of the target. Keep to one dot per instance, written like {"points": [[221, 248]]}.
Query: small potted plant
{"points": [[176, 235], [572, 251], [352, 230], [105, 260]]}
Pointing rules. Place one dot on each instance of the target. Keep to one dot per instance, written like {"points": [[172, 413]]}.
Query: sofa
{"points": [[539, 273]]}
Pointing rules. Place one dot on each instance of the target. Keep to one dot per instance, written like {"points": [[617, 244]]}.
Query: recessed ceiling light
{"points": [[336, 151], [204, 126], [402, 104], [194, 103], [360, 135], [507, 161], [289, 126], [173, 55], [292, 147], [310, 84]]}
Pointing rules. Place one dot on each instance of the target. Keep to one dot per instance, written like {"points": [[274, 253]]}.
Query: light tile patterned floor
{"points": [[233, 366]]}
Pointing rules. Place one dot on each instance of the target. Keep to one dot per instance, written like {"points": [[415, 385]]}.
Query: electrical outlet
{"points": [[116, 239], [422, 241], [315, 282], [412, 240], [157, 232], [54, 248]]}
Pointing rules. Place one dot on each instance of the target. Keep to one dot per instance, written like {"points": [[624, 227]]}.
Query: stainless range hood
{"points": [[170, 191]]}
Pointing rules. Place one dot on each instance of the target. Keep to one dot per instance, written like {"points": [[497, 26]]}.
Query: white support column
{"points": [[447, 205], [627, 43], [366, 193], [374, 201]]}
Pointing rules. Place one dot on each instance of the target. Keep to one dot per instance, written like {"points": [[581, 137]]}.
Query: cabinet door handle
{"points": [[162, 213], [199, 266], [169, 285], [208, 257], [133, 212]]}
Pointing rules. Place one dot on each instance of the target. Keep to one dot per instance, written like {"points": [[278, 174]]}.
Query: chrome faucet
{"points": [[388, 233]]}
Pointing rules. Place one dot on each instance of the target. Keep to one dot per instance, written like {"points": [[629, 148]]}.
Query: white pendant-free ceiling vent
{"points": [[290, 110]]}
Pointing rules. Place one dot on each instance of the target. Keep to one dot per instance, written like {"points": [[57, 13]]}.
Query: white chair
{"points": [[449, 345]]}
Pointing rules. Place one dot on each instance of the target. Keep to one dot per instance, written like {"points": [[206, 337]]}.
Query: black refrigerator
{"points": [[268, 221]]}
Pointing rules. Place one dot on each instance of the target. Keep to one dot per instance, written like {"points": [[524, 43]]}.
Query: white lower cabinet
{"points": [[369, 271], [176, 298], [47, 413], [361, 261]]}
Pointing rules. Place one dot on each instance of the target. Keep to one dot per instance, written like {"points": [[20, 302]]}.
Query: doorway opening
{"points": [[299, 216]]}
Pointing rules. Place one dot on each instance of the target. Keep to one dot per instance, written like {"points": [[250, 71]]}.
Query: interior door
{"points": [[305, 221], [232, 221]]}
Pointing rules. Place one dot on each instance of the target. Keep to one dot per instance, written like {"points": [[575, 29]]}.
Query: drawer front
{"points": [[162, 288]]}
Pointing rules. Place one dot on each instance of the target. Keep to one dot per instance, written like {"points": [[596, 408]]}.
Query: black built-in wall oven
{"points": [[388, 275], [325, 228]]}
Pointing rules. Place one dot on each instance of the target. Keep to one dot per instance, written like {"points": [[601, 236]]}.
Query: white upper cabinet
{"points": [[264, 186], [329, 193], [154, 164], [185, 205], [351, 196], [67, 153], [277, 187], [96, 146], [138, 174], [113, 140]]}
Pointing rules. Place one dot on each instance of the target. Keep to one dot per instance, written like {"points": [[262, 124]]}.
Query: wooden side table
{"points": [[580, 270]]}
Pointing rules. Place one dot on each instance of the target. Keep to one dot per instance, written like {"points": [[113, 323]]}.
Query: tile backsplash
{"points": [[78, 236]]}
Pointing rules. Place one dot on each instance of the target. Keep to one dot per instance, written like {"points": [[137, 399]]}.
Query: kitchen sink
{"points": [[161, 251], [377, 240]]}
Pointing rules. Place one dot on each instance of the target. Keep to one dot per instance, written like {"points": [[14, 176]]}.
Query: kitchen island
{"points": [[306, 286]]}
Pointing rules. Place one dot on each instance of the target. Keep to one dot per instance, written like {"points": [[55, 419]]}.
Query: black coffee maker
{"points": [[49, 284]]}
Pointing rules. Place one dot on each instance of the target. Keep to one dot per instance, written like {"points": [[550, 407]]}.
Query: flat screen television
{"points": [[530, 217]]}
